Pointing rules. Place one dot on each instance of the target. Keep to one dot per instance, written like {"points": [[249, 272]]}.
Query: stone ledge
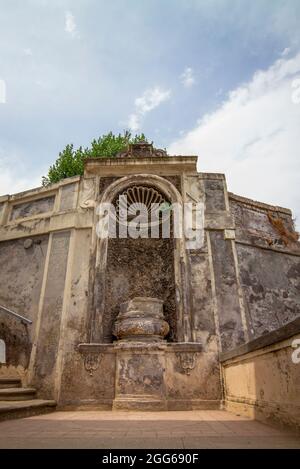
{"points": [[39, 225], [95, 348], [283, 333], [255, 245], [184, 347], [174, 347], [125, 166], [135, 161]]}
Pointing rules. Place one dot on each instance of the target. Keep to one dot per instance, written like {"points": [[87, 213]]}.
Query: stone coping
{"points": [[192, 347], [260, 205], [145, 165], [285, 332], [140, 159]]}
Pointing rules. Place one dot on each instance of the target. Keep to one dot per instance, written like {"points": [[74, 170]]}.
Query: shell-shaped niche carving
{"points": [[135, 198]]}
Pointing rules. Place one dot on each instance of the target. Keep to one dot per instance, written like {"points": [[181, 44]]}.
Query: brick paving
{"points": [[118, 429]]}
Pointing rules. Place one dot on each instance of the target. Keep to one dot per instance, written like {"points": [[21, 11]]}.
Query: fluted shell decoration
{"points": [[137, 197]]}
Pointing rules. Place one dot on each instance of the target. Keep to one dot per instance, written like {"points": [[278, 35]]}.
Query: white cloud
{"points": [[254, 137], [14, 173], [149, 100], [70, 25], [134, 122], [285, 52], [12, 184], [28, 51], [2, 91], [187, 77]]}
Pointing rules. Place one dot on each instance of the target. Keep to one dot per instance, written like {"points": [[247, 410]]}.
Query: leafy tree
{"points": [[70, 161]]}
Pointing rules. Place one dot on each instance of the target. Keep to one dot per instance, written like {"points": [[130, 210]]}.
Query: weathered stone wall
{"points": [[227, 295], [35, 264], [229, 315], [262, 380], [269, 264], [77, 386], [271, 285], [22, 266], [32, 208], [201, 296], [49, 330], [263, 225]]}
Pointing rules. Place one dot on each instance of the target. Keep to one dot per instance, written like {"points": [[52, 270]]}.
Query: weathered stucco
{"points": [[22, 265], [265, 383], [49, 330], [270, 282], [32, 208]]}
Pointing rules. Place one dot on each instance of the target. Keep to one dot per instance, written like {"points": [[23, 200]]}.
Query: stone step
{"points": [[21, 409], [17, 394], [10, 383]]}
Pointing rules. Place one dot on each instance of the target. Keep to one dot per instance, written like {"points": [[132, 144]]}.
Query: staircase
{"points": [[16, 401]]}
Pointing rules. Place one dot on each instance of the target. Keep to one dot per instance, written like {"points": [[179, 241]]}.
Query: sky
{"points": [[214, 78]]}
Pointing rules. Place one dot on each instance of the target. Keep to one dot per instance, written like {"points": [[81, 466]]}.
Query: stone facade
{"points": [[241, 283]]}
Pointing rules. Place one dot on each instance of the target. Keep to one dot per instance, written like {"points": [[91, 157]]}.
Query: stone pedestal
{"points": [[140, 376], [151, 376], [145, 364], [140, 359]]}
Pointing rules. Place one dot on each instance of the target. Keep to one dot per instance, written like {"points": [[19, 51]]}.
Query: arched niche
{"points": [[170, 254]]}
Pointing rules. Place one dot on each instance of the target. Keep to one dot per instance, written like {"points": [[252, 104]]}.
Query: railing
{"points": [[15, 315]]}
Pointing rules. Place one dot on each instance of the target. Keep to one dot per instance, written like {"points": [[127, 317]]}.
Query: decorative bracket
{"points": [[187, 361], [92, 355], [92, 361]]}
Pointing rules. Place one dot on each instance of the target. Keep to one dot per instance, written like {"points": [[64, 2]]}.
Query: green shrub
{"points": [[70, 161]]}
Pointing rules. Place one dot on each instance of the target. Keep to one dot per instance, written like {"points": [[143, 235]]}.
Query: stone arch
{"points": [[171, 193]]}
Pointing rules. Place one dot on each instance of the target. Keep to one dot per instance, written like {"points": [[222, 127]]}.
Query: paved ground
{"points": [[98, 429]]}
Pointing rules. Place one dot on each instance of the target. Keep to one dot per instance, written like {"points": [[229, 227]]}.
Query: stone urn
{"points": [[141, 320]]}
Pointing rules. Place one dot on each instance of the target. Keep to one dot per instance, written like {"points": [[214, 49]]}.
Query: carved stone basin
{"points": [[141, 319]]}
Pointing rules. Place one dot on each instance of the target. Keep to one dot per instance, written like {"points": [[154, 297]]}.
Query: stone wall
{"points": [[49, 328], [262, 378], [22, 264], [32, 208], [270, 282], [268, 256], [37, 229]]}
